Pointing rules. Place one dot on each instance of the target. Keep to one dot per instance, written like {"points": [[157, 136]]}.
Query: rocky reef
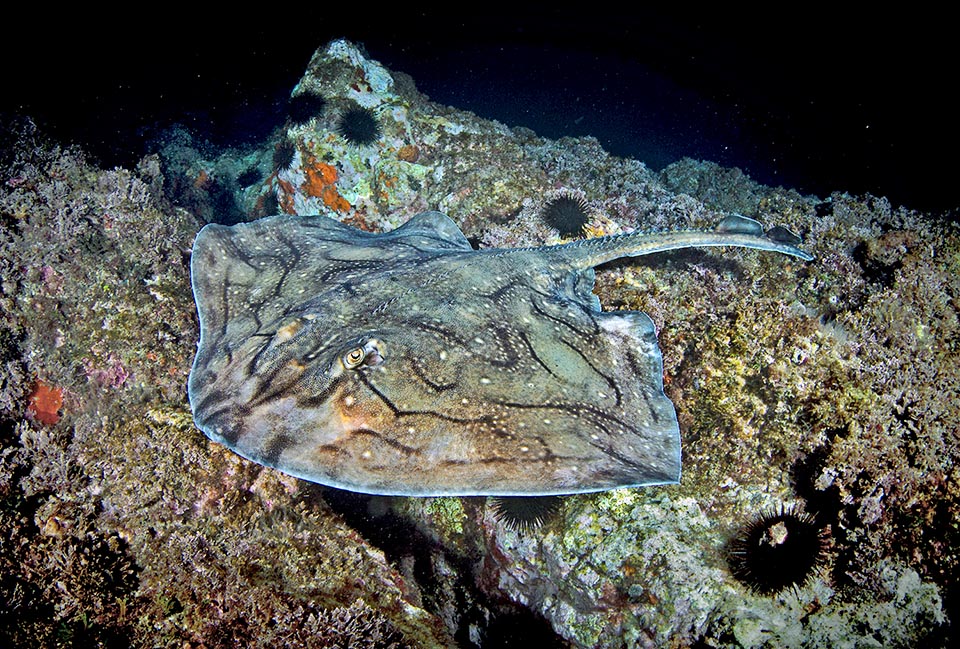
{"points": [[827, 389]]}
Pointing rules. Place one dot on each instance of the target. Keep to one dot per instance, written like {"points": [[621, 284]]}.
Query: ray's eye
{"points": [[353, 358]]}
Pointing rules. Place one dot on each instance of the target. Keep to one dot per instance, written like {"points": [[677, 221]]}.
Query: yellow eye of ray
{"points": [[353, 358]]}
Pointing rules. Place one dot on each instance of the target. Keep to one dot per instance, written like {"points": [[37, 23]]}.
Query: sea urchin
{"points": [[304, 107], [523, 513], [567, 214], [358, 126], [777, 550], [283, 154]]}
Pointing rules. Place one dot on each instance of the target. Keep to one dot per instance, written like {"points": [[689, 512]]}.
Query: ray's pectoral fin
{"points": [[653, 450], [432, 229]]}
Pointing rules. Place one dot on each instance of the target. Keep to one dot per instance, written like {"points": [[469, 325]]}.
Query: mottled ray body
{"points": [[408, 363]]}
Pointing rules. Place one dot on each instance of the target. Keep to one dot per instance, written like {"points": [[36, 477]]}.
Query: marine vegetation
{"points": [[825, 382]]}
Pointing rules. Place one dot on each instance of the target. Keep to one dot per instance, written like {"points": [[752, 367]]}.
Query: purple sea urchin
{"points": [[777, 550], [359, 126], [567, 213], [523, 513]]}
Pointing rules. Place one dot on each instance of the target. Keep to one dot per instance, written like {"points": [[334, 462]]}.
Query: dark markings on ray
{"points": [[549, 316], [321, 397], [348, 287], [226, 420], [534, 355], [333, 449], [392, 443], [255, 308], [417, 368], [547, 458], [383, 306], [577, 410], [270, 389], [225, 305], [497, 295], [399, 412], [348, 266], [284, 300], [254, 363], [277, 445], [644, 394], [444, 333], [288, 262], [217, 418], [208, 402], [509, 356], [610, 382]]}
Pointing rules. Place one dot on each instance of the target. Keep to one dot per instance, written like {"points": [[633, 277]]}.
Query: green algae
{"points": [[448, 514], [445, 520]]}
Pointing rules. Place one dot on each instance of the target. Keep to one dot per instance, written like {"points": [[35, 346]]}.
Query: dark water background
{"points": [[816, 100]]}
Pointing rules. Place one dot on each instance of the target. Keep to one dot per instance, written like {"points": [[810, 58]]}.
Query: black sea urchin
{"points": [[359, 126], [305, 107], [777, 550], [567, 214], [283, 154], [249, 177], [523, 513]]}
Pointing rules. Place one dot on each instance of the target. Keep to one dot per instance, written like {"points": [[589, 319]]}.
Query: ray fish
{"points": [[407, 363]]}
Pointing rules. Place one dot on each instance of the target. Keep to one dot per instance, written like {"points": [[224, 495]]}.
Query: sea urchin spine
{"points": [[524, 513], [359, 126], [304, 107], [568, 213], [778, 550]]}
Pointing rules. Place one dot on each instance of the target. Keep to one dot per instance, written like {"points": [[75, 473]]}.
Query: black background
{"points": [[816, 100]]}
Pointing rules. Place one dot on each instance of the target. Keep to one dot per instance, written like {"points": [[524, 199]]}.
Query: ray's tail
{"points": [[735, 230]]}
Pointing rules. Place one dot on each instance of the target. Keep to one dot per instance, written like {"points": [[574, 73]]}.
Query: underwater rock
{"points": [[158, 540], [829, 385]]}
